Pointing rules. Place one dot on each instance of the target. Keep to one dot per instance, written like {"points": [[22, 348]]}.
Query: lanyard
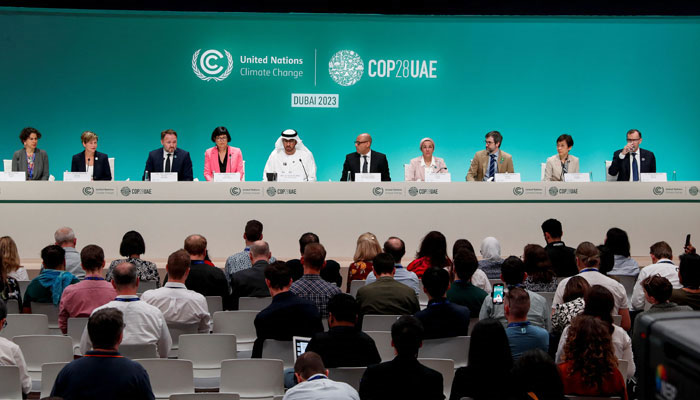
{"points": [[94, 278], [317, 376], [127, 299], [589, 269]]}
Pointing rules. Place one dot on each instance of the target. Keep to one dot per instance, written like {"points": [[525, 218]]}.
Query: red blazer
{"points": [[211, 162]]}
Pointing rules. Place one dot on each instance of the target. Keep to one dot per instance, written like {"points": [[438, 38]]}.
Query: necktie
{"points": [[564, 168], [492, 166], [364, 166], [635, 169], [167, 163]]}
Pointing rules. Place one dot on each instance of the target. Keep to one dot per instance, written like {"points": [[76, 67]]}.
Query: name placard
{"points": [[432, 177], [13, 176], [514, 177], [653, 177], [163, 176], [290, 177], [368, 177], [76, 177], [577, 177], [227, 177]]}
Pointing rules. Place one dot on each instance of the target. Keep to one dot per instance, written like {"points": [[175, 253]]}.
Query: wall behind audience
{"points": [[128, 75]]}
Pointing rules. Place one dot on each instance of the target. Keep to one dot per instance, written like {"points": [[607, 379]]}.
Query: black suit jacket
{"points": [[345, 346], [249, 283], [101, 170], [443, 319], [181, 163], [207, 280], [377, 163], [621, 168], [401, 378], [563, 259]]}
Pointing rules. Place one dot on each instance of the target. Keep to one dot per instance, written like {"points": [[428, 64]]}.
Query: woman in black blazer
{"points": [[90, 160]]}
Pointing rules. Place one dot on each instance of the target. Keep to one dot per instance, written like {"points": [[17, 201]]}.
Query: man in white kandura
{"points": [[290, 156]]}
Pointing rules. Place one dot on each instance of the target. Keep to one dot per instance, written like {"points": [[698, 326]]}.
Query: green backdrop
{"points": [[128, 75]]}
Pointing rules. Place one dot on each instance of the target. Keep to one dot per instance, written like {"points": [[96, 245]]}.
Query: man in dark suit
{"points": [[288, 315], [441, 318], [403, 377], [631, 161], [170, 158], [562, 257], [365, 160], [251, 281]]}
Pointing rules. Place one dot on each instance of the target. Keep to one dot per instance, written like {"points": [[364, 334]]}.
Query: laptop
{"points": [[299, 343]]}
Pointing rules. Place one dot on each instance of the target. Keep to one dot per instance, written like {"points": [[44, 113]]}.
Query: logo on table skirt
{"points": [[377, 191], [346, 67], [658, 190], [271, 191], [125, 191], [518, 190], [88, 191], [235, 191], [693, 190], [210, 69], [553, 191], [413, 191]]}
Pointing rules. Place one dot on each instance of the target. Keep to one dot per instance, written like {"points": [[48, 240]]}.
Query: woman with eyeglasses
{"points": [[562, 162], [222, 158]]}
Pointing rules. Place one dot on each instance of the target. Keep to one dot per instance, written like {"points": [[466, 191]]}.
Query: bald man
{"points": [[365, 160]]}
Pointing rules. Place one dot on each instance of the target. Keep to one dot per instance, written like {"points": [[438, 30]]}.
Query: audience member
{"points": [[661, 265], [432, 253], [462, 291], [403, 377], [310, 286], [657, 292], [65, 237], [365, 251], [397, 248], [288, 315], [491, 259], [587, 262], [10, 259], [561, 256], [479, 278], [102, 373], [203, 278], [11, 354], [9, 287], [238, 262], [314, 384], [441, 318], [250, 282], [344, 345], [178, 304], [79, 300], [522, 336], [590, 364], [617, 241], [386, 296], [540, 277], [573, 304], [689, 277], [607, 259], [144, 323], [52, 280], [513, 274], [489, 366], [329, 273], [536, 376], [133, 247]]}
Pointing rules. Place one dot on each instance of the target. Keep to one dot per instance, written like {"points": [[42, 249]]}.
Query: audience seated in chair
{"points": [[522, 335], [329, 273], [49, 285], [397, 249], [441, 318], [250, 282], [689, 275], [386, 296], [11, 354], [314, 383], [462, 291], [311, 286]]}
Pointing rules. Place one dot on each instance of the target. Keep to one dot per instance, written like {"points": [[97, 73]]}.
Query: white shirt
{"points": [[401, 275], [621, 343], [665, 268], [480, 280], [10, 354], [144, 324], [596, 278], [180, 305], [321, 388], [281, 162]]}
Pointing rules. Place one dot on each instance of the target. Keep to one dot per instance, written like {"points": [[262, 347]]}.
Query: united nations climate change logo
{"points": [[553, 191], [271, 191], [377, 191], [693, 190], [211, 71], [88, 191], [413, 191], [346, 67], [125, 191], [518, 190], [235, 191], [658, 190]]}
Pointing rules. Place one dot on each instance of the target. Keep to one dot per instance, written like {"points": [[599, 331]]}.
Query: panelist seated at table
{"points": [[32, 160], [170, 158], [290, 156], [490, 161], [418, 166], [90, 160], [365, 160], [222, 158], [631, 160], [562, 162]]}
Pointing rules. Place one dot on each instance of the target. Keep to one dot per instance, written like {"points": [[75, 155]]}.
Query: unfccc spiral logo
{"points": [[346, 67], [210, 70]]}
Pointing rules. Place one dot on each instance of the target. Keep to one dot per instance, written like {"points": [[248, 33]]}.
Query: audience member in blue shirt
{"points": [[522, 336]]}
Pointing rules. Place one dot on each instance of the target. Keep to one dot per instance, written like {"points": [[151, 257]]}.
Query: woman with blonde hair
{"points": [[9, 288], [10, 259], [367, 248], [90, 160]]}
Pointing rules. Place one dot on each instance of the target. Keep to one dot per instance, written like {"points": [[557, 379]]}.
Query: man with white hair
{"points": [[290, 157], [65, 237]]}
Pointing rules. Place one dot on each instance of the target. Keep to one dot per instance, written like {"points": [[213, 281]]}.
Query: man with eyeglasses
{"points": [[631, 161], [490, 161], [365, 160], [169, 158]]}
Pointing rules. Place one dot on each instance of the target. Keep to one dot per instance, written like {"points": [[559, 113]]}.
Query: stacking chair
{"points": [[76, 327], [355, 285], [177, 329], [349, 375], [252, 378], [279, 350], [12, 306], [139, 351], [253, 303], [214, 303], [51, 311], [25, 324], [446, 368], [145, 285], [453, 348], [169, 376], [239, 323], [422, 297], [549, 297], [23, 286], [617, 319], [10, 384], [41, 349], [206, 353], [378, 322], [382, 339], [49, 372], [205, 396]]}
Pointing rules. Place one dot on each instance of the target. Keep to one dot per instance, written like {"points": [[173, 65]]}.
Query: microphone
{"points": [[302, 165], [230, 167]]}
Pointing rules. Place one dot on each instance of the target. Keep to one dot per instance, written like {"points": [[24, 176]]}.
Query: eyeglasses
{"points": [[633, 140], [222, 137], [361, 142], [490, 142]]}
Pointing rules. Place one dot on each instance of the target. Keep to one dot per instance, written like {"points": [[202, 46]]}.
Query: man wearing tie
{"points": [[631, 161], [170, 158], [487, 163], [365, 160]]}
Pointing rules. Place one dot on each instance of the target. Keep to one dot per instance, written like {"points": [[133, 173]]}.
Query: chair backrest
{"points": [[453, 348], [169, 376], [205, 396], [378, 322], [12, 306], [253, 303], [279, 350], [549, 297], [48, 309], [177, 329], [23, 286], [49, 372], [405, 172], [382, 339], [608, 177], [110, 160], [25, 324], [42, 349], [472, 322], [543, 167], [422, 296], [257, 377], [355, 285], [444, 366], [627, 282], [76, 327], [495, 281], [139, 351], [239, 323], [207, 351], [622, 366], [214, 303], [145, 285], [617, 320], [10, 384], [349, 375]]}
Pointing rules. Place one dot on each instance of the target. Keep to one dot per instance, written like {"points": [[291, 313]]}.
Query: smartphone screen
{"points": [[497, 294]]}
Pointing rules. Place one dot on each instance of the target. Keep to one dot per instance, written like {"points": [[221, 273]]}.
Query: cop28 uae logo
{"points": [[210, 71], [346, 67]]}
